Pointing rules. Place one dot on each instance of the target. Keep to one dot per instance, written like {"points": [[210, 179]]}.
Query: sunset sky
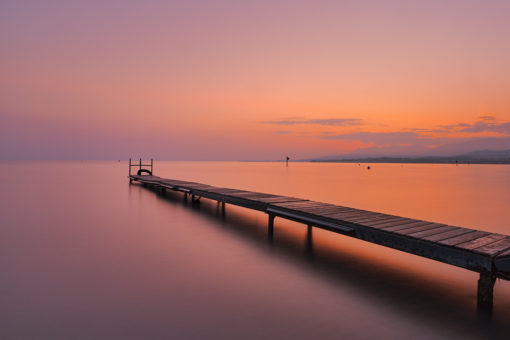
{"points": [[250, 80]]}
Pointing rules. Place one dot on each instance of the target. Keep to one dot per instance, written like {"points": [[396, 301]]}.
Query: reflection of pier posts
{"points": [[270, 227], [220, 209], [485, 291], [309, 241]]}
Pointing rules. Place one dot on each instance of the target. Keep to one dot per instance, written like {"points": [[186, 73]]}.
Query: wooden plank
{"points": [[312, 210], [258, 195], [298, 205], [375, 218], [370, 216], [344, 215], [411, 228], [262, 194], [387, 224], [318, 211], [253, 195], [481, 241], [372, 220], [326, 214], [249, 196], [242, 197], [408, 226], [284, 205], [226, 192], [348, 213], [223, 190], [278, 201], [311, 204], [190, 184], [424, 227], [453, 241], [186, 184], [282, 199], [446, 234], [440, 228], [346, 218], [495, 248], [338, 210], [321, 208]]}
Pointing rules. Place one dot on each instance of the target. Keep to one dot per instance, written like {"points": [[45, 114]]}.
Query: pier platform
{"points": [[480, 251]]}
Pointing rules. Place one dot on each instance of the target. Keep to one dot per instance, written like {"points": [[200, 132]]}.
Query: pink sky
{"points": [[230, 80]]}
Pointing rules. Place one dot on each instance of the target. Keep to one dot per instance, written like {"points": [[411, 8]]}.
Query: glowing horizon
{"points": [[229, 80]]}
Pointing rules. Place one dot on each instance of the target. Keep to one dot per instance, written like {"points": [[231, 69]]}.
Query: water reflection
{"points": [[422, 299], [84, 256], [309, 242]]}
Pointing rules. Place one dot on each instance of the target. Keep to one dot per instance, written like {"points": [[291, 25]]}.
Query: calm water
{"points": [[83, 254]]}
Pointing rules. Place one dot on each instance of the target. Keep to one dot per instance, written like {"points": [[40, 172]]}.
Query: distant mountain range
{"points": [[482, 151], [474, 157]]}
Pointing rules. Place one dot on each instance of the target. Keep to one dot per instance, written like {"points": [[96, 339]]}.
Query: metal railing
{"points": [[140, 166]]}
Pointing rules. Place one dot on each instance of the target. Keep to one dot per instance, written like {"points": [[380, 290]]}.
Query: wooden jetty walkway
{"points": [[480, 251]]}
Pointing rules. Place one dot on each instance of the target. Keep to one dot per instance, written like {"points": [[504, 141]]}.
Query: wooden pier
{"points": [[480, 251]]}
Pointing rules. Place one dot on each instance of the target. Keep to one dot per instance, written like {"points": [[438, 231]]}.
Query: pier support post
{"points": [[270, 223], [486, 291]]}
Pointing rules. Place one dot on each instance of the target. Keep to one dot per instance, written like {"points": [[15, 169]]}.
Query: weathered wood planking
{"points": [[481, 251]]}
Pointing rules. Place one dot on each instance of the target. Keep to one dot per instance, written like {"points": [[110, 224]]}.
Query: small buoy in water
{"points": [[368, 167]]}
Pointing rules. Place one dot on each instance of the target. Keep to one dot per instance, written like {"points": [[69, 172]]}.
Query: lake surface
{"points": [[85, 255]]}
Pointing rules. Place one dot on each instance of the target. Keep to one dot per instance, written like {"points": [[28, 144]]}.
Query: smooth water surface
{"points": [[85, 255]]}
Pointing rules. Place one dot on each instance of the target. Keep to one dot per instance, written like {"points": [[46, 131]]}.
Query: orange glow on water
{"points": [[102, 254]]}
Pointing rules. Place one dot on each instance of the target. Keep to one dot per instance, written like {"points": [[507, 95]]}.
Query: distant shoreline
{"points": [[415, 161]]}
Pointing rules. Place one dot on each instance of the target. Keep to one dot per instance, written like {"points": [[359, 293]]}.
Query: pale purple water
{"points": [[85, 255]]}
